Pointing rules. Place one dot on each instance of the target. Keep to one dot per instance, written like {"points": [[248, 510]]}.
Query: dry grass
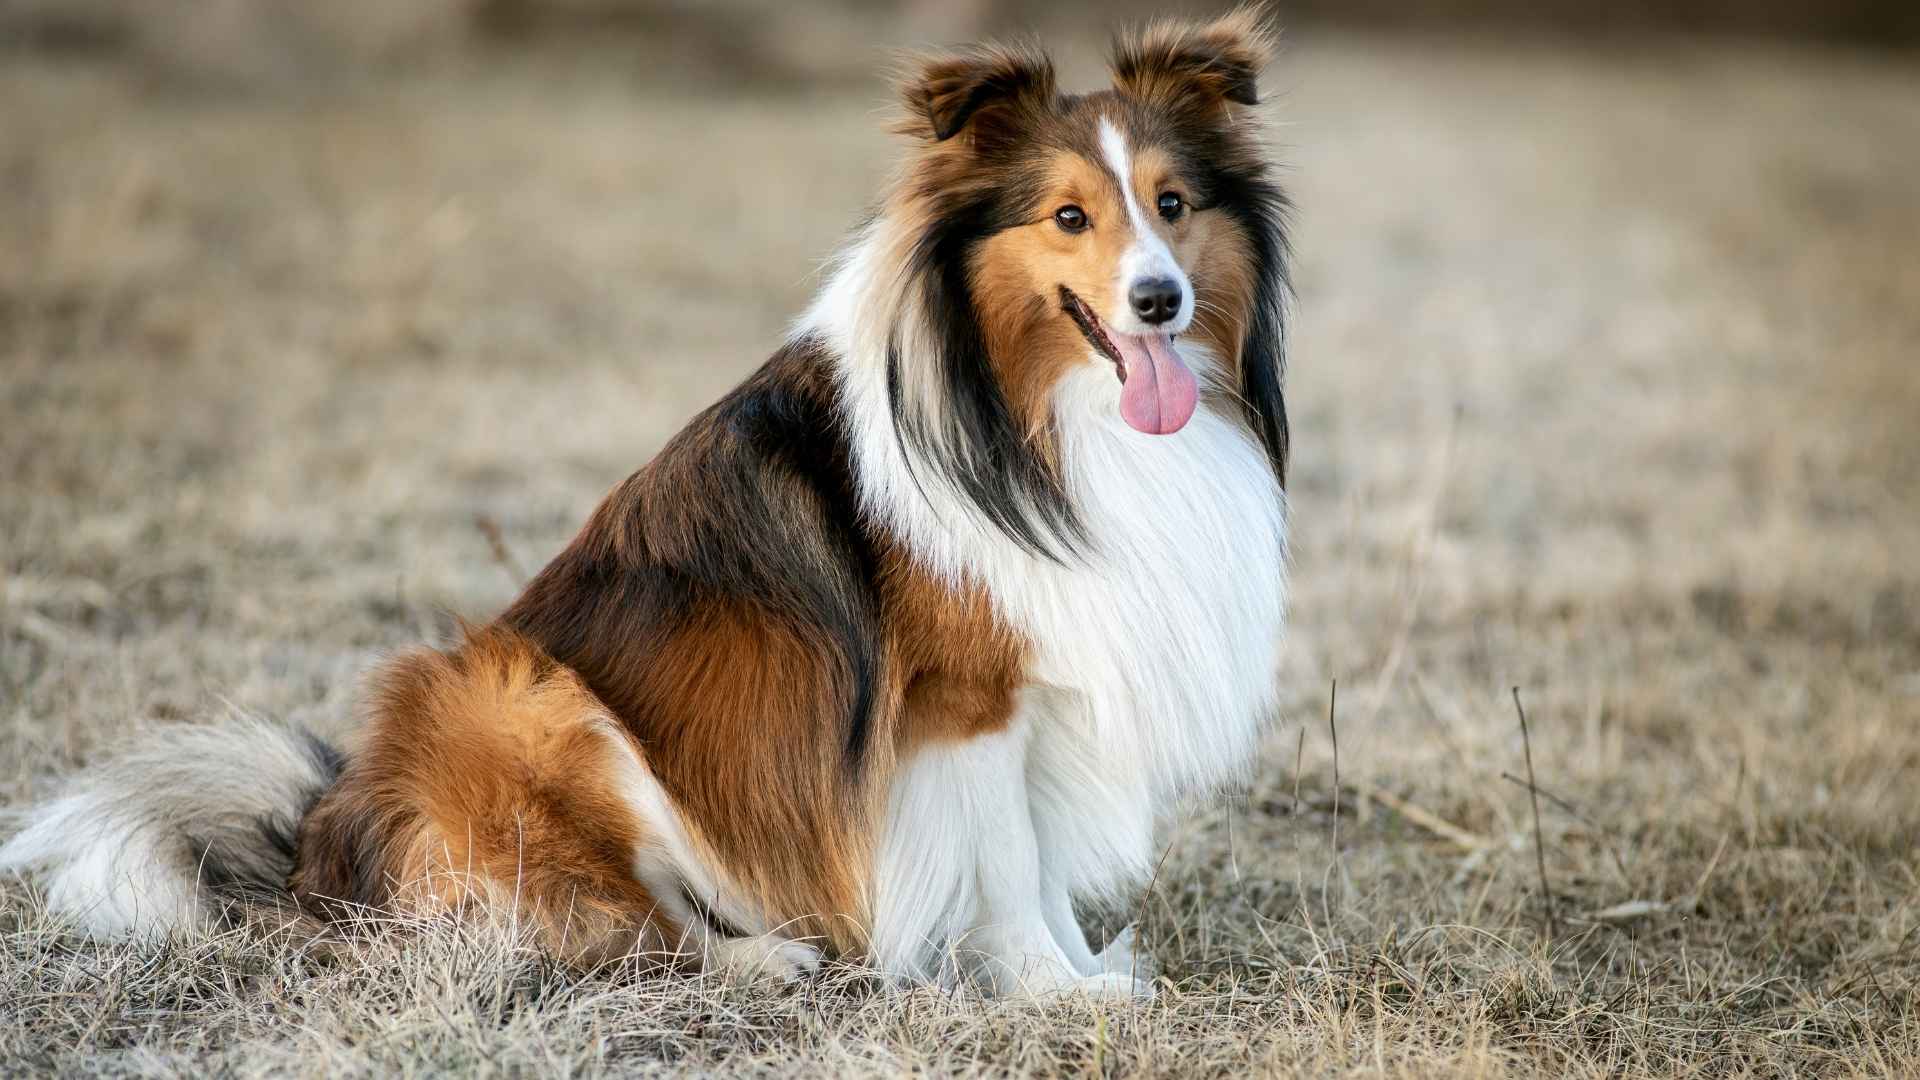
{"points": [[1605, 388]]}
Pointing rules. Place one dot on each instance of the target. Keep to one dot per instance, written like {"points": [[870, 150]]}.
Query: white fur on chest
{"points": [[1166, 628], [1170, 631]]}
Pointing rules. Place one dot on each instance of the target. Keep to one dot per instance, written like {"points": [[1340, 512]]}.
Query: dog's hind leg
{"points": [[491, 782], [723, 931]]}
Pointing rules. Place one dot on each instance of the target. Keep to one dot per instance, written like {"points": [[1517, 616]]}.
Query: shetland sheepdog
{"points": [[897, 653]]}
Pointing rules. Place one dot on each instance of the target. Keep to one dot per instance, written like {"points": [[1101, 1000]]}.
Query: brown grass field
{"points": [[1606, 386]]}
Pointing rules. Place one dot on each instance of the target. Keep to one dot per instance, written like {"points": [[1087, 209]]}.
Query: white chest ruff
{"points": [[1171, 631], [1166, 629]]}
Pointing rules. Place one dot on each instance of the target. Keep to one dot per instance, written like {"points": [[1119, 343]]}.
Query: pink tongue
{"points": [[1159, 393]]}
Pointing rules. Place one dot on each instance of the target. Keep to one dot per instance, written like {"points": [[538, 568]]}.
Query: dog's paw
{"points": [[1111, 986], [768, 958], [1054, 983], [1123, 957]]}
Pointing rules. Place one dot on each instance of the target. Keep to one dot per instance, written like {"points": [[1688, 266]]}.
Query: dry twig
{"points": [[1533, 790]]}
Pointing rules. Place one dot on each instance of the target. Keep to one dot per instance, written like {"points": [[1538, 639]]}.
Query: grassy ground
{"points": [[1605, 388]]}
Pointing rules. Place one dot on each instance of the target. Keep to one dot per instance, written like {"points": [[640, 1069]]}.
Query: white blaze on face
{"points": [[1148, 257], [1158, 392]]}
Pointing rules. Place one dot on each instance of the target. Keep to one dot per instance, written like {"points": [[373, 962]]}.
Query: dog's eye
{"points": [[1171, 205], [1070, 218]]}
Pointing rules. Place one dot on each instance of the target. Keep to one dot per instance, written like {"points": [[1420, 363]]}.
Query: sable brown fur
{"points": [[485, 779]]}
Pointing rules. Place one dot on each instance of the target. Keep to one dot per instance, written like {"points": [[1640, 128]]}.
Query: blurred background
{"points": [[251, 40], [322, 321]]}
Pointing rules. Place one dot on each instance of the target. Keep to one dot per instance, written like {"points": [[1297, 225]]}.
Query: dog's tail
{"points": [[192, 829]]}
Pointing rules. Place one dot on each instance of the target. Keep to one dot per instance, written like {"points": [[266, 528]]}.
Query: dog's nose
{"points": [[1155, 300]]}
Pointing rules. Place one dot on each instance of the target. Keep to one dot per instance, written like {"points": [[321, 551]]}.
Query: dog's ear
{"points": [[985, 87], [1209, 65]]}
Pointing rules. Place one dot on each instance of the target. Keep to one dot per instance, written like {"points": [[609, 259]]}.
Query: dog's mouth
{"points": [[1093, 328], [1157, 389]]}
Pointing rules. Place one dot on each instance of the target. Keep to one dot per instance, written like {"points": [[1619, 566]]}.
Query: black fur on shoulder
{"points": [[752, 505]]}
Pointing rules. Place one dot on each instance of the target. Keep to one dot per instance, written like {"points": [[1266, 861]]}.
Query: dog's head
{"points": [[1098, 229]]}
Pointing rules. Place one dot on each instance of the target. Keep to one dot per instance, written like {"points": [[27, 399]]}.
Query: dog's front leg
{"points": [[960, 881], [1093, 828]]}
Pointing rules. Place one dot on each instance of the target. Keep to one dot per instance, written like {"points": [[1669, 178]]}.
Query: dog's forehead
{"points": [[1086, 124]]}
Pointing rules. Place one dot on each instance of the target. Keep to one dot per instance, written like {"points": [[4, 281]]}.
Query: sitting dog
{"points": [[895, 653]]}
